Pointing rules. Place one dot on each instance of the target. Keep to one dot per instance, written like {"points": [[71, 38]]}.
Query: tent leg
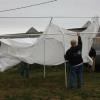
{"points": [[65, 75], [44, 72]]}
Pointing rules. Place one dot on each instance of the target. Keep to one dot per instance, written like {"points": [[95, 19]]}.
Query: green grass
{"points": [[14, 87]]}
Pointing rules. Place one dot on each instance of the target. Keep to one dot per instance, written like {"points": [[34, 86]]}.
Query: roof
{"points": [[32, 30], [77, 29], [83, 28]]}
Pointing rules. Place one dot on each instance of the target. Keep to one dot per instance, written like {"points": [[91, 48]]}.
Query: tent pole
{"points": [[65, 75], [50, 21], [44, 71], [65, 61]]}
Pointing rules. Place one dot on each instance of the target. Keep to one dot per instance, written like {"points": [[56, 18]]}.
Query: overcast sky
{"points": [[67, 8]]}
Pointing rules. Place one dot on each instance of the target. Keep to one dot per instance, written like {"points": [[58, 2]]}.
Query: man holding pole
{"points": [[75, 68]]}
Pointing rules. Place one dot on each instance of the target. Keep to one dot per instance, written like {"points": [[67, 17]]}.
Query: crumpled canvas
{"points": [[87, 39], [65, 36], [48, 49]]}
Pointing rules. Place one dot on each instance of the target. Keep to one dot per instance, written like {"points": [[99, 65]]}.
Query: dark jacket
{"points": [[73, 55], [92, 52]]}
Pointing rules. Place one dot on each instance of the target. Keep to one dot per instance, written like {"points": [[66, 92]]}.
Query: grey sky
{"points": [[60, 8]]}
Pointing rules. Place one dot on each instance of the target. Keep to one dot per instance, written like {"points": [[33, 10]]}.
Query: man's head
{"points": [[73, 43]]}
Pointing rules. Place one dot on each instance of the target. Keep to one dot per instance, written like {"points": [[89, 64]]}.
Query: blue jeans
{"points": [[75, 76]]}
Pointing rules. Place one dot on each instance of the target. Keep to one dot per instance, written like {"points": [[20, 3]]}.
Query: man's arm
{"points": [[79, 41], [67, 55], [92, 52]]}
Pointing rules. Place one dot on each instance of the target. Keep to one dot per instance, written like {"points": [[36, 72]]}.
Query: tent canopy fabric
{"points": [[48, 49]]}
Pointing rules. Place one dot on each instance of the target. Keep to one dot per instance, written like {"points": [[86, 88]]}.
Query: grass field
{"points": [[14, 87]]}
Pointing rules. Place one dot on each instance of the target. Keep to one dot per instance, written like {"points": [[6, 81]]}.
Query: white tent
{"points": [[65, 36], [49, 49]]}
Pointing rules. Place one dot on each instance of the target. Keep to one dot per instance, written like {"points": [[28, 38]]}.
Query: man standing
{"points": [[24, 69], [75, 68], [92, 54]]}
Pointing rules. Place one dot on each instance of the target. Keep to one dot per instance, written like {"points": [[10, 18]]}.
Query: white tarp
{"points": [[48, 49], [19, 42], [65, 36], [7, 62], [87, 39]]}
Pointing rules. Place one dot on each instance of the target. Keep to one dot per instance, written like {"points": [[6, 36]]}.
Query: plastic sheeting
{"points": [[48, 49], [87, 39], [65, 36]]}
